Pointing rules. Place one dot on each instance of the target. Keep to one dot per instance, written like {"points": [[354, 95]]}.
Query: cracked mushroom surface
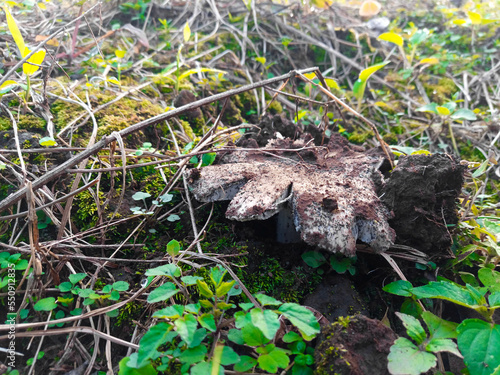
{"points": [[329, 191]]}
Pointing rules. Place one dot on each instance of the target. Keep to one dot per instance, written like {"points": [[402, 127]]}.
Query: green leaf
{"points": [[217, 274], [366, 73], [190, 280], [145, 370], [225, 306], [432, 107], [173, 248], [186, 327], [235, 336], [246, 363], [193, 355], [166, 270], [266, 320], [451, 106], [301, 317], [399, 288], [77, 277], [494, 299], [392, 37], [115, 296], [253, 336], [477, 294], [170, 312], [140, 196], [266, 300], [208, 159], [405, 358], [358, 89], [207, 321], [156, 335], [313, 259], [413, 327], [121, 286], [442, 345], [224, 288], [479, 342], [291, 337], [163, 292], [447, 291], [204, 289], [204, 368], [275, 359], [229, 356], [193, 308], [490, 278], [419, 36], [65, 286], [464, 114], [439, 328], [46, 304]]}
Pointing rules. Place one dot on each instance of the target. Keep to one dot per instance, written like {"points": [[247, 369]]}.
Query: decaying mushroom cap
{"points": [[329, 191]]}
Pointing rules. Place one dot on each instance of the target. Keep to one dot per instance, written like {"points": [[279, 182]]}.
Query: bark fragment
{"points": [[329, 191]]}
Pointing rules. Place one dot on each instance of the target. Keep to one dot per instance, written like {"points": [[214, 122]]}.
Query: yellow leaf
{"points": [[460, 22], [443, 111], [429, 60], [310, 76], [200, 70], [421, 152], [14, 30], [113, 80], [332, 84], [120, 53], [42, 6], [186, 32], [486, 21], [262, 60], [392, 37], [475, 18], [322, 3], [37, 59], [365, 74], [8, 83]]}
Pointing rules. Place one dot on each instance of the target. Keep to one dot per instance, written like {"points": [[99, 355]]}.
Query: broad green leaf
{"points": [[235, 336], [207, 321], [126, 370], [413, 327], [186, 328], [225, 306], [253, 336], [245, 364], [275, 359], [477, 294], [313, 259], [217, 274], [173, 248], [14, 30], [464, 114], [190, 280], [451, 106], [494, 299], [193, 355], [77, 277], [140, 196], [419, 36], [229, 356], [366, 73], [392, 37], [439, 328], [442, 111], [490, 278], [204, 289], [442, 345], [267, 301], [405, 358], [291, 337], [186, 32], [121, 286], [47, 142], [171, 312], [475, 18], [163, 292], [46, 304], [358, 89], [37, 58], [156, 335], [266, 320], [447, 291], [65, 286], [301, 317], [166, 270], [208, 159], [479, 343], [193, 308], [224, 288], [428, 108]]}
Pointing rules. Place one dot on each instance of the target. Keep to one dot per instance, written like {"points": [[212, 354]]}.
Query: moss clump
{"points": [[27, 122], [86, 213], [359, 137]]}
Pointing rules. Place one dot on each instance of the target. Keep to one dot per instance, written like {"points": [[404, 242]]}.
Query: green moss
{"points": [[86, 212], [359, 137], [27, 122]]}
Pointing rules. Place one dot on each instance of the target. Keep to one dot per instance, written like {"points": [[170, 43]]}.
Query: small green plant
{"points": [[339, 263], [477, 339], [360, 84], [199, 338]]}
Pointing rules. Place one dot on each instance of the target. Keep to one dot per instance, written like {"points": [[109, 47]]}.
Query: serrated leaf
{"points": [[162, 293], [392, 37], [266, 320], [273, 360], [46, 304], [490, 278], [170, 312], [152, 339], [217, 274], [173, 248], [190, 280], [207, 321], [186, 32], [224, 288], [478, 342], [405, 358], [204, 289], [253, 336], [301, 317], [439, 328], [413, 327], [447, 291], [399, 287], [166, 270]]}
